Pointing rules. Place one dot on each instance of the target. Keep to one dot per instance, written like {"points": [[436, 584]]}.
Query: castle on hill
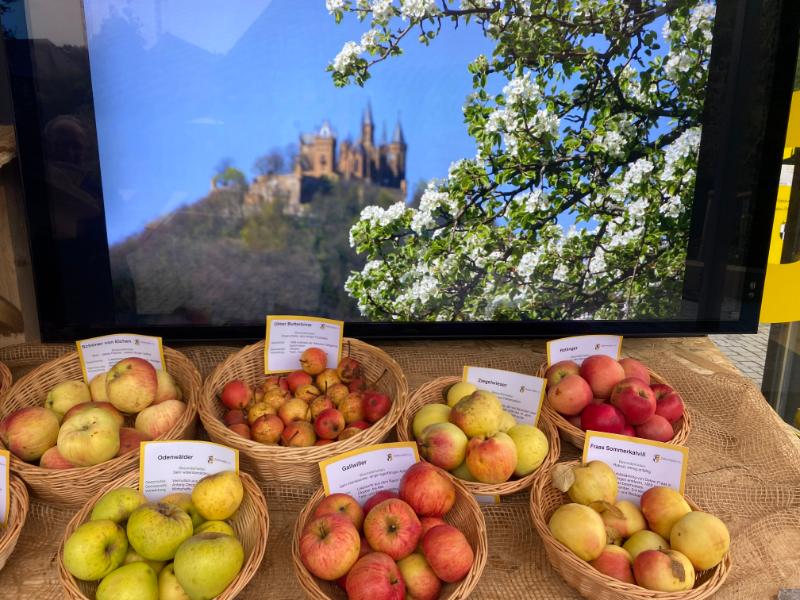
{"points": [[383, 164]]}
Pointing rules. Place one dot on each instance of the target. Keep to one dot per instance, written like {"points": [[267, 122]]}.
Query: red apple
{"points": [[362, 425], [349, 432], [392, 527], [295, 379], [634, 398], [313, 360], [429, 523], [602, 373], [428, 490], [329, 424], [130, 439], [349, 369], [570, 395], [242, 429], [633, 368], [52, 459], [615, 562], [341, 504], [376, 405], [556, 372], [324, 442], [267, 429], [376, 499], [628, 430], [79, 408], [357, 385], [670, 406], [661, 389], [448, 553], [602, 417], [298, 434], [236, 394], [375, 577], [234, 416], [320, 404], [656, 428], [329, 546]]}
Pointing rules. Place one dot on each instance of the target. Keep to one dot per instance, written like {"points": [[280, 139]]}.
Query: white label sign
{"points": [[639, 464], [520, 394], [99, 354], [580, 347], [5, 486], [787, 175], [365, 472], [176, 466], [287, 337]]}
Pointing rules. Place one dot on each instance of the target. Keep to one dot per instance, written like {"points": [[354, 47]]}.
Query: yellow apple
{"points": [[532, 448], [207, 563], [430, 414], [167, 388], [216, 497], [134, 581], [131, 385], [97, 387], [459, 390], [168, 586], [65, 395], [89, 438]]}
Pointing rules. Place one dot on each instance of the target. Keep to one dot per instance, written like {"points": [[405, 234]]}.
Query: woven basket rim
{"points": [[435, 387], [310, 583], [131, 479], [5, 378], [17, 515], [281, 454], [577, 436], [570, 567], [122, 463]]}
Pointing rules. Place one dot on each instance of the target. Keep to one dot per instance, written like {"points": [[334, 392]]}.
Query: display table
{"points": [[744, 467]]}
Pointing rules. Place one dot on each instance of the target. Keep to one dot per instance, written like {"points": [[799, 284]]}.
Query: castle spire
{"points": [[367, 117], [384, 136], [398, 137]]}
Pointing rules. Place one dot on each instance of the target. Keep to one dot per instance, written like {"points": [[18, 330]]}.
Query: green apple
{"points": [[462, 472], [168, 586], [133, 556], [117, 505], [216, 526], [65, 395], [532, 447], [89, 438], [134, 581], [184, 501], [156, 530], [458, 391], [430, 414], [216, 497], [95, 549], [206, 563]]}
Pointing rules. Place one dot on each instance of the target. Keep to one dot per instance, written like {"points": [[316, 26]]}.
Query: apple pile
{"points": [[180, 547], [474, 439], [398, 546], [658, 547], [603, 394], [309, 407], [82, 425]]}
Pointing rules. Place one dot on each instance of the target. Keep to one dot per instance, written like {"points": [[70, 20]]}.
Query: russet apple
{"points": [[134, 581], [341, 504], [557, 371], [298, 434], [168, 388], [275, 382], [459, 391], [320, 404], [570, 395], [634, 398], [375, 576], [602, 417], [294, 410], [267, 429], [670, 406], [532, 448], [243, 429], [52, 459], [656, 428], [65, 395], [158, 419], [307, 392], [95, 549], [614, 562], [420, 580], [233, 416], [702, 538], [428, 490], [492, 460], [207, 563], [349, 369], [663, 571], [89, 438], [392, 527], [444, 445], [644, 540], [79, 408], [329, 424], [295, 379], [448, 553], [336, 393], [602, 373], [275, 398], [377, 498], [429, 415], [97, 387], [130, 440], [117, 505], [327, 379], [29, 432], [258, 410], [313, 360], [131, 385], [352, 407], [156, 530], [580, 529], [217, 497], [478, 415], [329, 546], [633, 368], [236, 394]]}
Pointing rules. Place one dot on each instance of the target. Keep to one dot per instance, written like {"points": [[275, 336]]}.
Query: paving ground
{"points": [[746, 351]]}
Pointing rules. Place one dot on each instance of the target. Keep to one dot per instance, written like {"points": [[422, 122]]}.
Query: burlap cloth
{"points": [[744, 467]]}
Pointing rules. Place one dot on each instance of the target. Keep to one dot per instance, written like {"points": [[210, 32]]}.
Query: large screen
{"points": [[406, 161]]}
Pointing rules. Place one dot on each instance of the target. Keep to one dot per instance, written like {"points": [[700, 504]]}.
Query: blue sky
{"points": [[180, 84]]}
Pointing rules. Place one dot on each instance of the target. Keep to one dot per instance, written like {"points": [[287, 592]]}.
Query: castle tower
{"points": [[396, 157], [318, 153], [367, 127]]}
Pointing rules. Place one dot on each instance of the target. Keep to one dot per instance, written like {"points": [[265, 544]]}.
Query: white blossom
{"points": [[521, 89], [678, 63], [546, 122], [561, 272], [382, 10], [497, 120], [528, 263], [687, 145], [672, 208], [369, 40], [532, 201], [637, 208], [334, 5], [477, 3], [597, 264], [702, 18], [375, 215], [611, 142], [418, 9], [625, 237], [346, 57]]}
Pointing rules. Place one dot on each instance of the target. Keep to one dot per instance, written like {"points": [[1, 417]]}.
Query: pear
{"points": [[134, 581], [478, 415], [207, 563], [217, 497]]}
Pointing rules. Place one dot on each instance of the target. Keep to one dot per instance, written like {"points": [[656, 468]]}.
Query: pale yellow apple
{"points": [[65, 395], [134, 581], [89, 438], [117, 505], [218, 496], [168, 586], [184, 501], [459, 390], [215, 526], [207, 563], [157, 530], [168, 388], [133, 556], [97, 387], [430, 414], [532, 448], [131, 385]]}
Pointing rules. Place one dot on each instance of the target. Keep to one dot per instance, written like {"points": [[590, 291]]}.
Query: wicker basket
{"points": [[577, 436], [251, 524], [465, 515], [73, 487], [17, 513], [588, 581], [5, 378], [433, 392], [299, 465]]}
